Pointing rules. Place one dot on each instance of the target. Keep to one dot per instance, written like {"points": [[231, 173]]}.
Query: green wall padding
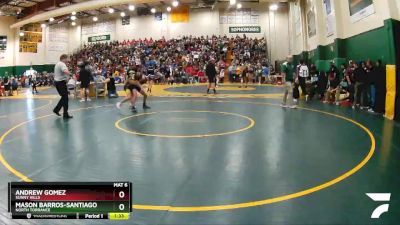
{"points": [[370, 45], [322, 65], [6, 70], [340, 61], [374, 44]]}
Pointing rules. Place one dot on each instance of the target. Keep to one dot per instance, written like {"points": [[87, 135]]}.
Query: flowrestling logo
{"points": [[379, 197]]}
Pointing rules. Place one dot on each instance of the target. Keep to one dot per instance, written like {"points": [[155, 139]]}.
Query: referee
{"points": [[61, 74]]}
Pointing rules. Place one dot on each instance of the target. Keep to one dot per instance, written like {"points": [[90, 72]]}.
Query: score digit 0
{"points": [[121, 194]]}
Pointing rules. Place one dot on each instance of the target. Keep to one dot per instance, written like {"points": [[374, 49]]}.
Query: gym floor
{"points": [[232, 158]]}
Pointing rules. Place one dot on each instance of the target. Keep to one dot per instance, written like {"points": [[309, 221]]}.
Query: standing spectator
{"points": [[232, 72], [7, 86], [334, 70], [221, 67], [289, 75], [23, 80], [245, 76], [312, 83], [379, 77], [349, 75], [61, 74], [322, 84], [84, 77], [370, 86], [111, 88], [211, 75], [34, 82], [359, 87]]}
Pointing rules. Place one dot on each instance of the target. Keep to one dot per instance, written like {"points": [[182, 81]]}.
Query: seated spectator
{"points": [[14, 85], [71, 84], [202, 76], [266, 74], [7, 86], [111, 88], [333, 90], [345, 86], [232, 72], [2, 87], [100, 81]]}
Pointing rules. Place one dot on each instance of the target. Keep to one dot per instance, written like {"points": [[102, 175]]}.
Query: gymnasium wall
{"points": [[64, 38], [25, 58], [13, 62], [7, 56], [202, 22], [360, 40]]}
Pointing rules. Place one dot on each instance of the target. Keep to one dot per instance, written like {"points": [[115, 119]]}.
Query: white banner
{"points": [[297, 18], [243, 16], [360, 9], [53, 47], [398, 5], [330, 25], [330, 18]]}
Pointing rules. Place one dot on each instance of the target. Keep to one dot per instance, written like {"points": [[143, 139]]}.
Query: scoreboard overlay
{"points": [[70, 200]]}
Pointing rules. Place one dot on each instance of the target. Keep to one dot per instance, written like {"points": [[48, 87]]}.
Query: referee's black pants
{"points": [[302, 82], [62, 90]]}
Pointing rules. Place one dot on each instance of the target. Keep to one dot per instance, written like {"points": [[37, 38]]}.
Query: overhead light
{"points": [[51, 19], [123, 14], [73, 23], [43, 25], [73, 13], [73, 18], [21, 34], [239, 6], [273, 7], [169, 9], [153, 10], [111, 10], [232, 2], [131, 7], [175, 3], [95, 19]]}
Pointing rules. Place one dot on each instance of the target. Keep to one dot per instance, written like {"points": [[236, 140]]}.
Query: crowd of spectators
{"points": [[357, 84], [184, 60], [181, 60], [10, 84]]}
